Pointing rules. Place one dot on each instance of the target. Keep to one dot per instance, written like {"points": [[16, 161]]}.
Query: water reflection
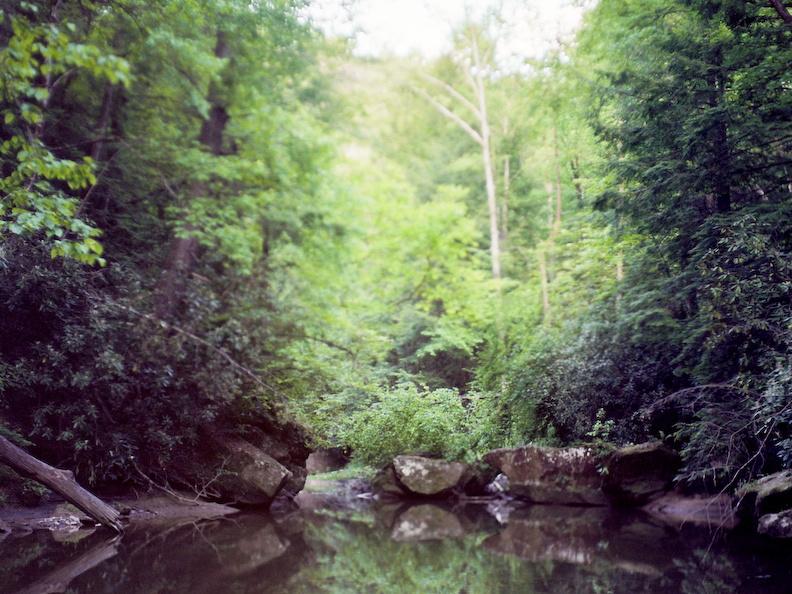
{"points": [[399, 548], [426, 522]]}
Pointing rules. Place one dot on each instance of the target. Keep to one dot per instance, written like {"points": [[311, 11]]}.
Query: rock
{"points": [[385, 485], [776, 525], [563, 476], [636, 474], [254, 478], [426, 522], [286, 443], [326, 460], [675, 509], [246, 464], [429, 477], [499, 485], [768, 495]]}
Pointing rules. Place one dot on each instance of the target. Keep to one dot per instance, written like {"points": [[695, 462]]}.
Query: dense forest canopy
{"points": [[212, 213]]}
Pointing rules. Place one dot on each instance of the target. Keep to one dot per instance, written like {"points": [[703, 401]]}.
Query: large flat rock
{"points": [[561, 476]]}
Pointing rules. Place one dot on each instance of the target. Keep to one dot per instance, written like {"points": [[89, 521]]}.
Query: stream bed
{"points": [[332, 545]]}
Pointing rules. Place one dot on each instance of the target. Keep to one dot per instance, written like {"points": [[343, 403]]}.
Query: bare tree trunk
{"points": [[104, 122], [486, 151], [60, 481], [559, 193], [574, 165], [504, 209], [554, 221], [482, 136]]}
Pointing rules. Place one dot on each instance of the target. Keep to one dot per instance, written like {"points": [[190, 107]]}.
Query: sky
{"points": [[402, 27]]}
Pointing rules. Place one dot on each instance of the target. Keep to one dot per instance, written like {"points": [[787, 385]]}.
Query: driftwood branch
{"points": [[60, 481]]}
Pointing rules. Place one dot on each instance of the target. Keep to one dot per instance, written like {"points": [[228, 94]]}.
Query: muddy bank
{"points": [[61, 516]]}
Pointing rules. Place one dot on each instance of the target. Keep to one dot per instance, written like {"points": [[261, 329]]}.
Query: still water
{"points": [[410, 549]]}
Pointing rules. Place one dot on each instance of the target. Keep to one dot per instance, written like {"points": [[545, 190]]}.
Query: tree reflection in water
{"points": [[400, 548]]}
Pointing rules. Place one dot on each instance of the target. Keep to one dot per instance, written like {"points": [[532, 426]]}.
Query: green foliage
{"points": [[408, 419], [100, 386], [647, 295], [690, 103], [87, 371], [39, 188]]}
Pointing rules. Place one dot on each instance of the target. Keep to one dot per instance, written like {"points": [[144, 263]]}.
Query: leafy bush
{"points": [[561, 384], [103, 388], [407, 419]]}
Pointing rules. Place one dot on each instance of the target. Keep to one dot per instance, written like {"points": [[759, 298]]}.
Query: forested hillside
{"points": [[213, 215]]}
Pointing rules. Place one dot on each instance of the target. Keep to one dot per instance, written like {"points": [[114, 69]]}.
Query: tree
{"points": [[87, 369], [476, 63], [40, 188], [694, 109], [60, 481]]}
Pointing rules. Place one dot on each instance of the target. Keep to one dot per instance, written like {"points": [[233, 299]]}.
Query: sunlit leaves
{"points": [[40, 189], [407, 419]]}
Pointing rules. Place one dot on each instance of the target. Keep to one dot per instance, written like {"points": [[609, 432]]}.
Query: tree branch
{"points": [[782, 11], [208, 345], [454, 93], [451, 116]]}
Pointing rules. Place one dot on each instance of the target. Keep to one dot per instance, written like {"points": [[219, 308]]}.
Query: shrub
{"points": [[407, 419]]}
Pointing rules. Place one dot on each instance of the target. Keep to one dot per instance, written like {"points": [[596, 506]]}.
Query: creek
{"points": [[335, 545]]}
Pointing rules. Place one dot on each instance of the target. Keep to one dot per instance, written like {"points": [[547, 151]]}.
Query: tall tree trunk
{"points": [[545, 283], [574, 166], [720, 141], [482, 136], [103, 122], [183, 252], [486, 152], [504, 205], [555, 202]]}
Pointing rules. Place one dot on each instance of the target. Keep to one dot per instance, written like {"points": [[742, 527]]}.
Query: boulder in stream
{"points": [[562, 476], [776, 525], [427, 477], [253, 477], [636, 474], [386, 485], [418, 476], [247, 467], [768, 495]]}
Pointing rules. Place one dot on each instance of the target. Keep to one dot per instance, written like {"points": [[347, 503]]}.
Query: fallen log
{"points": [[60, 481]]}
